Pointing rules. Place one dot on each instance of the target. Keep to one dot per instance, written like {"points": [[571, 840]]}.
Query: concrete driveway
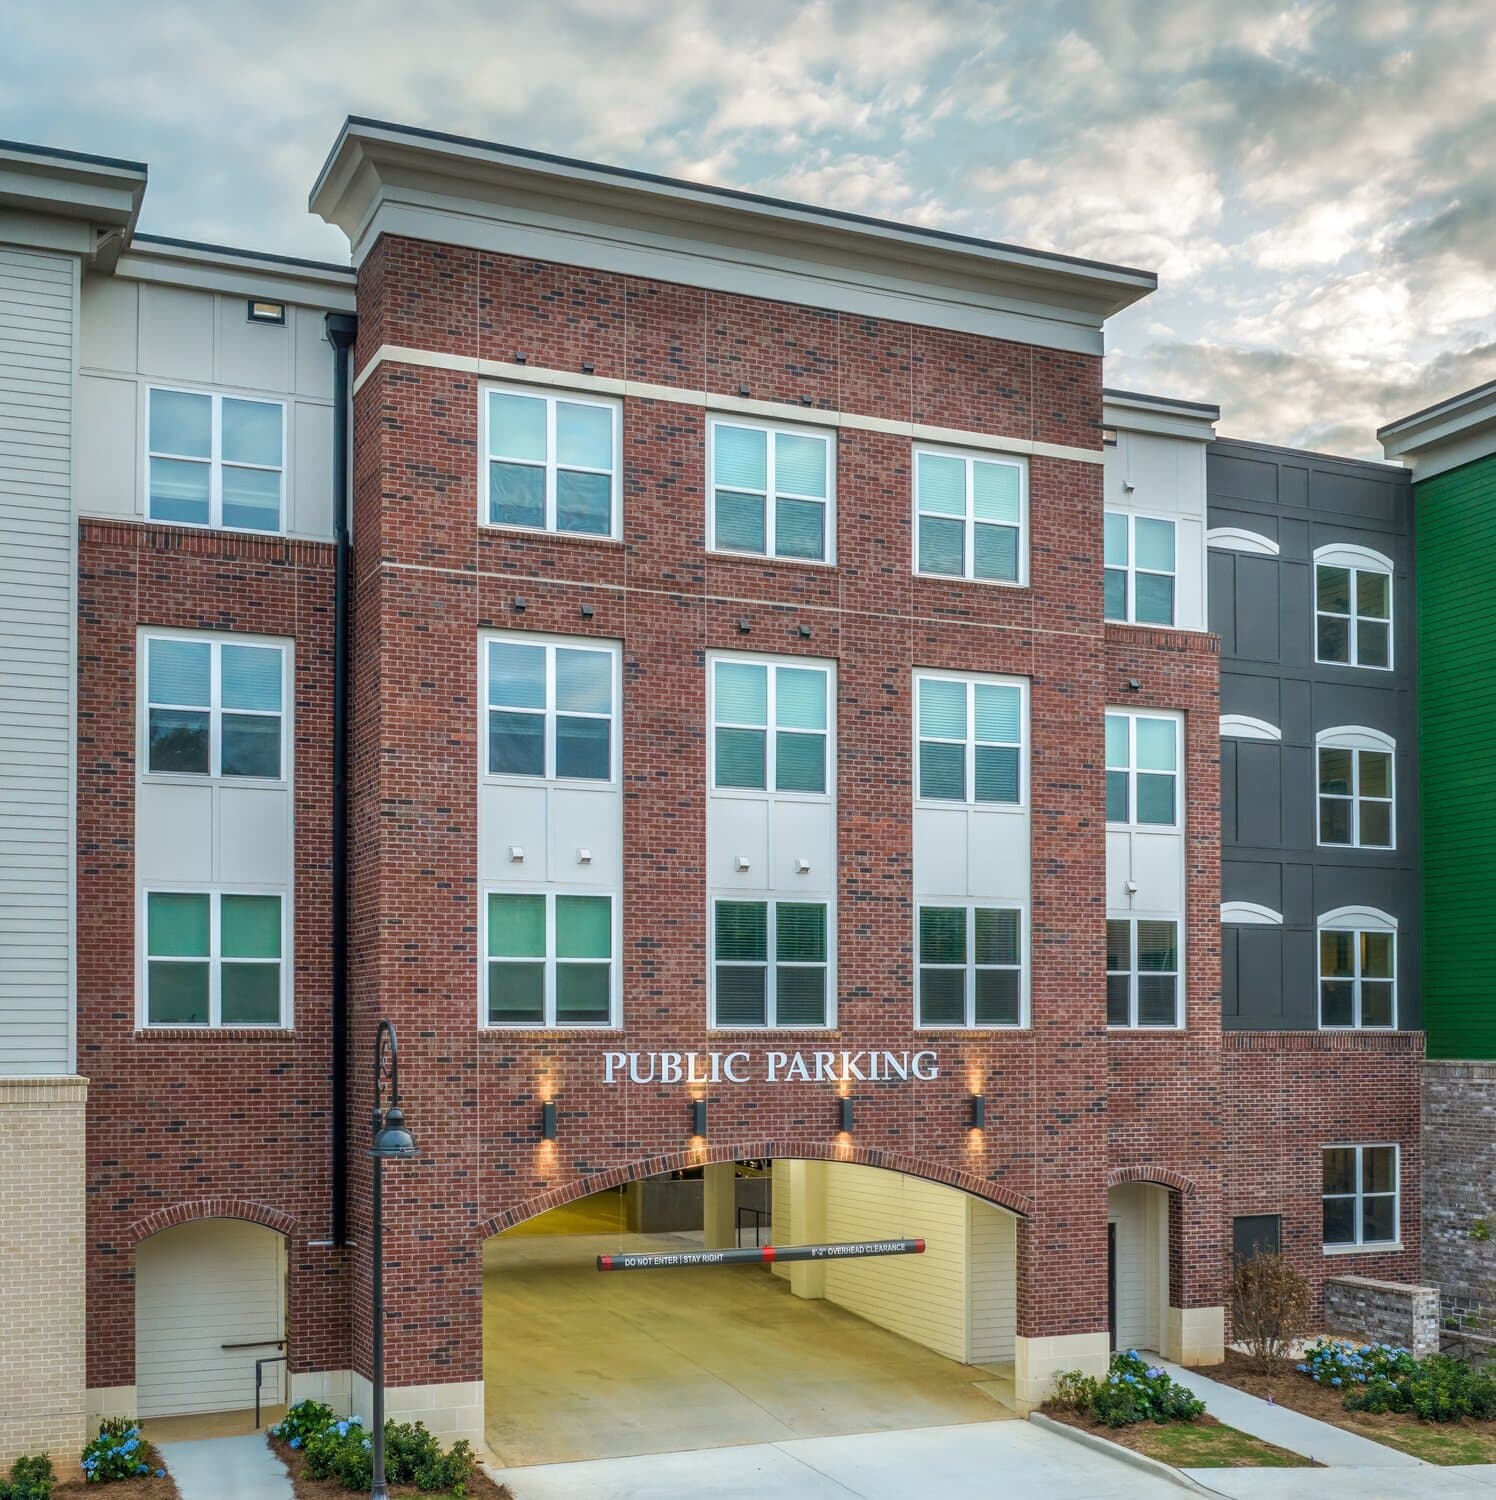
{"points": [[977, 1460]]}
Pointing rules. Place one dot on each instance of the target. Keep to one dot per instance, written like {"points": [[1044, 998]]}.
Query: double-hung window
{"points": [[1357, 969], [551, 959], [215, 460], [1140, 569], [970, 965], [1142, 768], [1355, 788], [771, 726], [214, 707], [214, 958], [969, 516], [1361, 1197], [771, 491], [1142, 972], [970, 733], [1352, 607], [551, 708], [771, 963], [551, 463]]}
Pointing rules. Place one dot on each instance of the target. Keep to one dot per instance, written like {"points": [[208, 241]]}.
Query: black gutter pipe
{"points": [[341, 331]]}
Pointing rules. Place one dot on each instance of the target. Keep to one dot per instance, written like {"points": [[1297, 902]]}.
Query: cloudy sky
{"points": [[1315, 183]]}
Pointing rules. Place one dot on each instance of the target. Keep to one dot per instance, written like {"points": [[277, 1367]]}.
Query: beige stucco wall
{"points": [[42, 1266]]}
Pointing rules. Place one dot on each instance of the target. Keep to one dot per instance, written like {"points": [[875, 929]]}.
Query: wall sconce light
{"points": [[698, 1117], [978, 1111], [846, 1113], [548, 1120]]}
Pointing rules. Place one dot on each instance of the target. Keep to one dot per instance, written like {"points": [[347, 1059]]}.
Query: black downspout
{"points": [[341, 329]]}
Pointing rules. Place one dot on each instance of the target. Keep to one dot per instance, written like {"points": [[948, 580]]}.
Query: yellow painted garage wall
{"points": [[779, 1210], [922, 1297], [992, 1241], [1140, 1211]]}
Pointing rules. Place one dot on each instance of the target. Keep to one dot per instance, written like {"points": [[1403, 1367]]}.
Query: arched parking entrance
{"points": [[580, 1365], [210, 1300]]}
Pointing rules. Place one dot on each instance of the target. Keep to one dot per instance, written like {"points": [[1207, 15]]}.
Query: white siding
{"points": [[922, 1297], [993, 1253], [38, 323], [1140, 1212], [198, 1287]]}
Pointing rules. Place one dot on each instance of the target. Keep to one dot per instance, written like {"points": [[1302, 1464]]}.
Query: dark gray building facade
{"points": [[1311, 590]]}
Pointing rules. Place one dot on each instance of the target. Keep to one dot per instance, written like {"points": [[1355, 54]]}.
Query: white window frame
{"points": [[215, 640], [1355, 920], [971, 906], [771, 494], [772, 900], [970, 680], [1362, 1246], [551, 643], [550, 395], [968, 556], [770, 789], [1356, 738], [1132, 715], [215, 461], [214, 960], [549, 1022], [1132, 1024], [1358, 560], [1131, 571]]}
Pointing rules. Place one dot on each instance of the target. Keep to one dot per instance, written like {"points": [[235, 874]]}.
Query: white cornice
{"points": [[91, 203], [495, 369], [1129, 411], [386, 179], [1446, 435], [239, 273]]}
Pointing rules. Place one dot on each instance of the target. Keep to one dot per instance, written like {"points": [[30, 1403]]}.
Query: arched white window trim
{"points": [[1245, 727], [1358, 919], [1355, 737], [1250, 914], [1351, 555], [1239, 539]]}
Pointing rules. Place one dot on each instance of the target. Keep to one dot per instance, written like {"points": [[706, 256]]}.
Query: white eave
{"points": [[1166, 416], [66, 200], [1444, 436], [244, 273], [390, 179]]}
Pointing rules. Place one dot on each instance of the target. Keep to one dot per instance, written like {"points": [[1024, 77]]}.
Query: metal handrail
{"points": [[760, 1218], [257, 1344], [269, 1359]]}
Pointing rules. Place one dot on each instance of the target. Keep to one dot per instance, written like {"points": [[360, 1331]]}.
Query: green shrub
{"points": [[341, 1450], [1384, 1378], [1133, 1391], [30, 1479], [117, 1453], [304, 1419]]}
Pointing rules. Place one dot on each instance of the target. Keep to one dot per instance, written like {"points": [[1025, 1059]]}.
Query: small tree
{"points": [[1269, 1309]]}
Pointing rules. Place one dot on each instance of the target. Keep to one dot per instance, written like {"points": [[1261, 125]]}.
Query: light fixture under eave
{"points": [[978, 1111], [548, 1120], [846, 1113], [698, 1117]]}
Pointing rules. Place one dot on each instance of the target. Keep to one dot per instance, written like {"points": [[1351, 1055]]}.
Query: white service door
{"points": [[198, 1287]]}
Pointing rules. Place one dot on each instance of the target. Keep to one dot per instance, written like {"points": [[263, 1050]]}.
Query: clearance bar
{"points": [[764, 1255]]}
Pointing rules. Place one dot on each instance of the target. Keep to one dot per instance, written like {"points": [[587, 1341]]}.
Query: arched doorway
{"points": [[581, 1365], [210, 1300]]}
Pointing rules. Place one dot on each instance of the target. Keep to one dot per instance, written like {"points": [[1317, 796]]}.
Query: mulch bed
{"points": [[307, 1488], [1141, 1437], [147, 1487], [1299, 1393]]}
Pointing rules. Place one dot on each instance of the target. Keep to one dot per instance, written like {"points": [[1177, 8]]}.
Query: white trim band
{"points": [[495, 369], [1245, 727], [1239, 539]]}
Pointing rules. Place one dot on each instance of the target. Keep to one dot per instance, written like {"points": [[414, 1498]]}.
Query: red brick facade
{"points": [[184, 1119]]}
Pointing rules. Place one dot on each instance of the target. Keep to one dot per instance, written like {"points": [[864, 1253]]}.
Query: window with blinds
{"points": [[771, 964], [970, 516], [550, 959], [771, 491], [771, 726], [970, 739]]}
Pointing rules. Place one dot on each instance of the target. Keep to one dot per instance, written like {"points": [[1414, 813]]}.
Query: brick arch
{"points": [[211, 1208], [1162, 1176], [998, 1193]]}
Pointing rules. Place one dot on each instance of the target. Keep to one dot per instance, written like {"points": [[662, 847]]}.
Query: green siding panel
{"points": [[1456, 534]]}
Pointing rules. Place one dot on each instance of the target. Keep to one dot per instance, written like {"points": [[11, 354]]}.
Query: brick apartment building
{"points": [[778, 677]]}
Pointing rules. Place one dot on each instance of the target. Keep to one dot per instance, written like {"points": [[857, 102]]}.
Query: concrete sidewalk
{"points": [[973, 1459], [228, 1468], [1476, 1482], [1308, 1436]]}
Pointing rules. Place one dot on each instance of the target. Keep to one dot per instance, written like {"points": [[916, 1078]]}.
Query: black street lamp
{"points": [[392, 1142]]}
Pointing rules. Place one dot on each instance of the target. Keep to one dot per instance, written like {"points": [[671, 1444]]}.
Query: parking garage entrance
{"points": [[579, 1365]]}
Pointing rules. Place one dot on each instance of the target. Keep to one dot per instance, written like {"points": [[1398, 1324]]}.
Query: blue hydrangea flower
{"points": [[295, 1442]]}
